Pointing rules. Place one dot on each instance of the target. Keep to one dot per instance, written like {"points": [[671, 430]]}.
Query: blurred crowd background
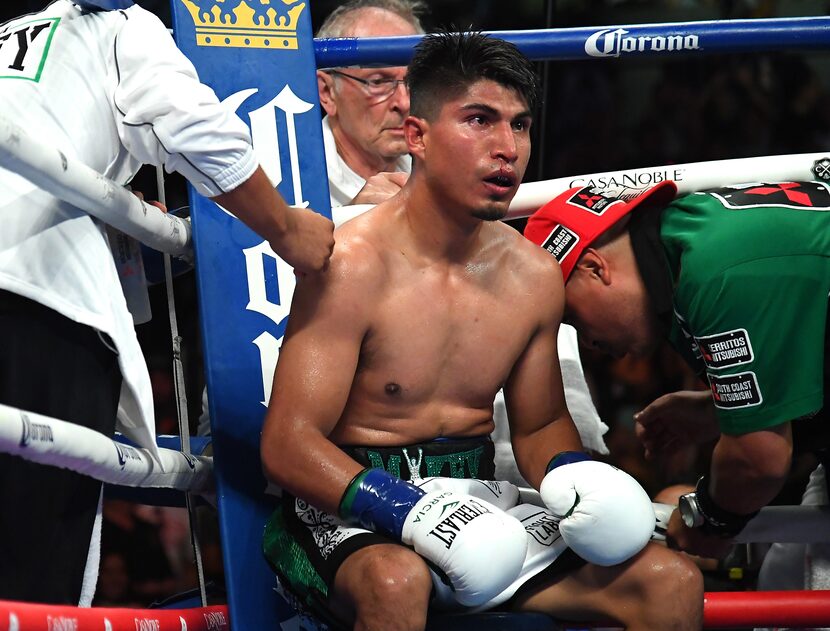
{"points": [[599, 116]]}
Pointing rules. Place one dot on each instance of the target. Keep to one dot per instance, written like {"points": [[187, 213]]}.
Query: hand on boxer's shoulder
{"points": [[607, 517]]}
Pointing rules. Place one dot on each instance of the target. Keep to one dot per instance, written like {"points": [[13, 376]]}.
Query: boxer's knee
{"points": [[385, 587], [671, 587]]}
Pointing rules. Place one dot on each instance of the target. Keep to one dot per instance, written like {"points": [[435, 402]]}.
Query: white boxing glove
{"points": [[607, 517], [478, 546]]}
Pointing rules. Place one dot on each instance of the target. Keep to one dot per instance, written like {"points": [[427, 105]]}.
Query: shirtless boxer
{"points": [[388, 371]]}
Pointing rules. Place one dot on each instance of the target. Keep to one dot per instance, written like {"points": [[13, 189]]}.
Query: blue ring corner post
{"points": [[259, 59]]}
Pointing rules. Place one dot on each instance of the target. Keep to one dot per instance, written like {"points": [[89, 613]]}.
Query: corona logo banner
{"points": [[238, 24]]}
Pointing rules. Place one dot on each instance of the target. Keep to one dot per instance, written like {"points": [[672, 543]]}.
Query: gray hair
{"points": [[340, 21]]}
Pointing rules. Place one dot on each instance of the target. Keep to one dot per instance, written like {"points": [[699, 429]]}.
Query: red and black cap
{"points": [[572, 221]]}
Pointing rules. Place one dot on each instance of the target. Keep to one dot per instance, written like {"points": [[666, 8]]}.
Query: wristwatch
{"points": [[690, 511], [698, 510]]}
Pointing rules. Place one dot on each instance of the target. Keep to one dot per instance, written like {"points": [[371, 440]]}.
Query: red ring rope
{"points": [[723, 610], [731, 610], [31, 617]]}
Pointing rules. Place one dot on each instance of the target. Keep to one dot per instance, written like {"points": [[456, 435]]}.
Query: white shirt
{"points": [[344, 183], [112, 90]]}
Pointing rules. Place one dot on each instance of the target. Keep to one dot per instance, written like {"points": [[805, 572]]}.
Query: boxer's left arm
{"points": [[540, 424], [607, 517]]}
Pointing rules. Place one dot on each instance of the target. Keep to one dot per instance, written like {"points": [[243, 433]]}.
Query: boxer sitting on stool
{"points": [[387, 375]]}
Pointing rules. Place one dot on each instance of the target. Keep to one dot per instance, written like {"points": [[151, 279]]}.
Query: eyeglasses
{"points": [[377, 89]]}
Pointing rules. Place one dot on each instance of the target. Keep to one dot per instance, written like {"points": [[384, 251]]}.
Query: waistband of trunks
{"points": [[448, 457]]}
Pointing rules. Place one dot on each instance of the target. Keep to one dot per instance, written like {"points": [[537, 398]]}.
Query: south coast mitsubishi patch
{"points": [[735, 391], [723, 350], [560, 242]]}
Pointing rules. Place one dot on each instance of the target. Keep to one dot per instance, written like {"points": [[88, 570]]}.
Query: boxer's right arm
{"points": [[606, 516], [318, 360]]}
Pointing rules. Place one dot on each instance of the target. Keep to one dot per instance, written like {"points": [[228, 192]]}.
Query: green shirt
{"points": [[751, 271]]}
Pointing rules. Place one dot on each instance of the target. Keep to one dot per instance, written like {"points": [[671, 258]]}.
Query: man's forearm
{"points": [[309, 466], [257, 204], [749, 470]]}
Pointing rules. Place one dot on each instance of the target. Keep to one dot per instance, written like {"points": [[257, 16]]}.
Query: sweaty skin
{"points": [[424, 313]]}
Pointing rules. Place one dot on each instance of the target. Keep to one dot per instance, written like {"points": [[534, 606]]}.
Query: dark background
{"points": [[597, 116]]}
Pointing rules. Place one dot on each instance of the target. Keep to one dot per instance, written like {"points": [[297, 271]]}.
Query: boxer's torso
{"points": [[442, 337]]}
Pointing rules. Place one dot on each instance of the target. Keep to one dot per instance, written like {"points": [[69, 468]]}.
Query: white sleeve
{"points": [[165, 115]]}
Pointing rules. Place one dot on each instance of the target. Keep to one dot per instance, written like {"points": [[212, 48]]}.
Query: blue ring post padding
{"points": [[259, 59], [640, 40], [381, 502]]}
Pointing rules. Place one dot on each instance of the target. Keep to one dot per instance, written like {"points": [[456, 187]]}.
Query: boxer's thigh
{"points": [[655, 582]]}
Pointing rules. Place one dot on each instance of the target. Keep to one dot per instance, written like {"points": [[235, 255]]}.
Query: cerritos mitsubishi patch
{"points": [[722, 350], [735, 391], [560, 242], [590, 199]]}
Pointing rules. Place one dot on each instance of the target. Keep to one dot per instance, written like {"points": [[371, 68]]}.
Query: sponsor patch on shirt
{"points": [[560, 242], [735, 391], [722, 350]]}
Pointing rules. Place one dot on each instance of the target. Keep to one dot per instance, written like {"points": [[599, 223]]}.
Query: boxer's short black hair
{"points": [[445, 64]]}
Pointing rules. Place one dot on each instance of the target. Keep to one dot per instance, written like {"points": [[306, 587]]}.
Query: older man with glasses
{"points": [[366, 155]]}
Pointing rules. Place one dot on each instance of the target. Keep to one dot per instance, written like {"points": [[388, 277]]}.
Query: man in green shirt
{"points": [[737, 279]]}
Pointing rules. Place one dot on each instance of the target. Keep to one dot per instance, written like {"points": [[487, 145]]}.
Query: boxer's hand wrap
{"points": [[378, 501], [607, 517], [480, 548]]}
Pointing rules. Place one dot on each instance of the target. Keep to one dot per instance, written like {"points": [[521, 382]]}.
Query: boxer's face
{"points": [[610, 309], [475, 151], [371, 123]]}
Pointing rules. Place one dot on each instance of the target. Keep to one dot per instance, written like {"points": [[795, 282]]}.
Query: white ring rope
{"points": [[50, 441], [773, 524], [74, 182], [691, 177]]}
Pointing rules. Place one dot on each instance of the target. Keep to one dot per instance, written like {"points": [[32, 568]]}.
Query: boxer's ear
{"points": [[415, 131]]}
